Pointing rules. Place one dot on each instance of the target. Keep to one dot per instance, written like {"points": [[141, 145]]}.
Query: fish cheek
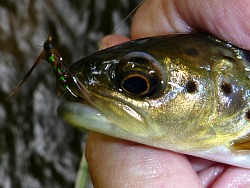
{"points": [[122, 114]]}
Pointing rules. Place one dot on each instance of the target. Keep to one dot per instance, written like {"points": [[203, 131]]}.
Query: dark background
{"points": [[38, 149]]}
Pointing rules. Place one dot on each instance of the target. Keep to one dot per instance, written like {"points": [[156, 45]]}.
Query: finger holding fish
{"points": [[228, 21]]}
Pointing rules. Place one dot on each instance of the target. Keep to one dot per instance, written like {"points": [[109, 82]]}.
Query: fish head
{"points": [[186, 93]]}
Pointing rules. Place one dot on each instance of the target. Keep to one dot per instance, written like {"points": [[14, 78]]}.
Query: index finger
{"points": [[228, 20]]}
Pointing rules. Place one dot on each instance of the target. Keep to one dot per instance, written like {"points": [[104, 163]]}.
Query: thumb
{"points": [[118, 163]]}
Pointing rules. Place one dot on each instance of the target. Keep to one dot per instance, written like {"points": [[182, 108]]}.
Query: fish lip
{"points": [[84, 101], [68, 97], [84, 116], [69, 100], [84, 95], [66, 106]]}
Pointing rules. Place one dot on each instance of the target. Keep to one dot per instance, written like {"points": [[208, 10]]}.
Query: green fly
{"points": [[60, 69]]}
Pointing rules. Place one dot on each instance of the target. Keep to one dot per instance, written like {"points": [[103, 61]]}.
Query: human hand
{"points": [[118, 163]]}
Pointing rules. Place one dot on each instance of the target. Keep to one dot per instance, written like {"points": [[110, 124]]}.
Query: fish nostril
{"points": [[248, 114], [192, 52], [226, 88], [191, 86]]}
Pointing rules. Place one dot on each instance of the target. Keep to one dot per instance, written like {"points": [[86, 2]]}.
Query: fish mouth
{"points": [[82, 115], [83, 95], [79, 113], [78, 108], [86, 117]]}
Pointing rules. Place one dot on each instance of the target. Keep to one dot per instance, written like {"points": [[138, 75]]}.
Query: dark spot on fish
{"points": [[191, 86], [226, 88], [231, 59], [248, 114], [192, 51]]}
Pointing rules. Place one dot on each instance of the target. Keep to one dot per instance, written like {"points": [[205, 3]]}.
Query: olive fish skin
{"points": [[187, 93]]}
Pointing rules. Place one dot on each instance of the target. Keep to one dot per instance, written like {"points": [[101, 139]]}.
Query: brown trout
{"points": [[188, 93]]}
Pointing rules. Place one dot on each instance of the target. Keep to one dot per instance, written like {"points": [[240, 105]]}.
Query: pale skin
{"points": [[118, 163]]}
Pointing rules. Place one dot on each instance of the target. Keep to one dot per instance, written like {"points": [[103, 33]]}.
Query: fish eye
{"points": [[137, 84], [138, 74]]}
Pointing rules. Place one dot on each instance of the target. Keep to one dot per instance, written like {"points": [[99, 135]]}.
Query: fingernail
{"points": [[104, 43]]}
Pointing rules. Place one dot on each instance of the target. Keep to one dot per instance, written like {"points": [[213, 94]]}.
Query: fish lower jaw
{"points": [[82, 115]]}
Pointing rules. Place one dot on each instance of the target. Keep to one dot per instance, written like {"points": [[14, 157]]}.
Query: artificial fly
{"points": [[61, 71]]}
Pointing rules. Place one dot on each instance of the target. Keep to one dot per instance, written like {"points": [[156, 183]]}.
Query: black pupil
{"points": [[135, 85]]}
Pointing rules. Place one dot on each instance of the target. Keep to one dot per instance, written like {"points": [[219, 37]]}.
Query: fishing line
{"points": [[125, 19], [128, 16]]}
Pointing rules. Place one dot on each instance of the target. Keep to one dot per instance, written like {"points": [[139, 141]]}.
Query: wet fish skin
{"points": [[192, 95]]}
